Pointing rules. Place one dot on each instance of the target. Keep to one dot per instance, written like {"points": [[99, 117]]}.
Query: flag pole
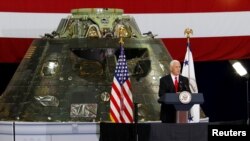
{"points": [[121, 29], [194, 112], [121, 100], [135, 104], [187, 33]]}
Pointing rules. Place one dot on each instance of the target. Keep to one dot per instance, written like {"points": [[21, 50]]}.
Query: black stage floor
{"points": [[164, 131]]}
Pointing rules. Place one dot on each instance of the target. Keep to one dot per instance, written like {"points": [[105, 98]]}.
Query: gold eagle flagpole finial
{"points": [[188, 32], [121, 30]]}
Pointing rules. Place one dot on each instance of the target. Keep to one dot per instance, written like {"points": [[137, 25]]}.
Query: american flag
{"points": [[121, 101]]}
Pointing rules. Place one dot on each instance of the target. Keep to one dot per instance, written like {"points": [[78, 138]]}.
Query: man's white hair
{"points": [[173, 62]]}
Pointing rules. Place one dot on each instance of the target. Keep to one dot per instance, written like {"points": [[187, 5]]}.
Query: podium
{"points": [[182, 102]]}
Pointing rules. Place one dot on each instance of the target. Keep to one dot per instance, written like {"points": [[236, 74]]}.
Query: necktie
{"points": [[176, 84]]}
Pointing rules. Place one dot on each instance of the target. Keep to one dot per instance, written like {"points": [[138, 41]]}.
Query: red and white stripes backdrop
{"points": [[221, 27]]}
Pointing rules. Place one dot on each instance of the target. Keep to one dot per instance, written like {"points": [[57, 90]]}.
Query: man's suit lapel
{"points": [[170, 83]]}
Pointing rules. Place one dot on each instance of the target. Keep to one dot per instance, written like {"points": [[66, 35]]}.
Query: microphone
{"points": [[180, 86], [186, 87]]}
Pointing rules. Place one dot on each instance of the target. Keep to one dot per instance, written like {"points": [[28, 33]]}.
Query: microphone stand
{"points": [[136, 120], [14, 131], [247, 103]]}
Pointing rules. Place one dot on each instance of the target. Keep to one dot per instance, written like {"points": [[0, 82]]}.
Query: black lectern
{"points": [[182, 102]]}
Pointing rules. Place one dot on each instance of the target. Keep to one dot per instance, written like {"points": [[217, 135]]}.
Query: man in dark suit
{"points": [[172, 83]]}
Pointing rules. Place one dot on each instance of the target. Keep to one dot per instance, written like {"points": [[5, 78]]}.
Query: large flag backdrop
{"points": [[221, 27]]}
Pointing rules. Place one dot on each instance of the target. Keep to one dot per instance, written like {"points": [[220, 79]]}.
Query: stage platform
{"points": [[91, 131], [49, 131]]}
